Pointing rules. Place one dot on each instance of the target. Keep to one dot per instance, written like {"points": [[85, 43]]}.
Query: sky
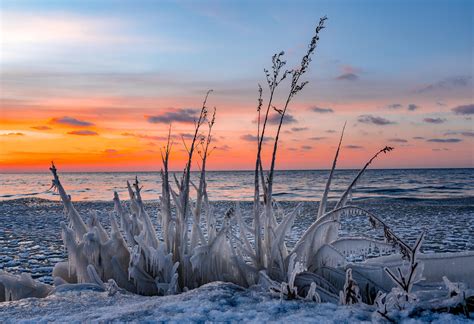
{"points": [[94, 85]]}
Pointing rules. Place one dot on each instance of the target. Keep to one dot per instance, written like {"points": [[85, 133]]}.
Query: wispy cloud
{"points": [[447, 84], [27, 36], [348, 77], [321, 110], [182, 115], [434, 120], [224, 147], [395, 106], [349, 73], [468, 134], [375, 120], [299, 129], [306, 147], [253, 138], [41, 127], [70, 121], [444, 140], [462, 133], [464, 109], [144, 136], [13, 134], [317, 138], [418, 138], [83, 133], [274, 119], [397, 140], [354, 147], [410, 107]]}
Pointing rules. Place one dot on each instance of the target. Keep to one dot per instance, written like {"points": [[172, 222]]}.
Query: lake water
{"points": [[306, 185]]}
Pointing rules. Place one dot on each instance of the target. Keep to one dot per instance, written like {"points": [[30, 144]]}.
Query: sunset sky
{"points": [[94, 85]]}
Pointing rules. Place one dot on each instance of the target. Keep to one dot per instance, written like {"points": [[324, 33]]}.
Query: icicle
{"points": [[351, 294], [312, 294]]}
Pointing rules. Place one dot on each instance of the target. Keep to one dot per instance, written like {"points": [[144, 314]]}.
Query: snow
{"points": [[216, 302]]}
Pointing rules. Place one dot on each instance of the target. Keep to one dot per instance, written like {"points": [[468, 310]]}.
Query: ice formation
{"points": [[190, 249]]}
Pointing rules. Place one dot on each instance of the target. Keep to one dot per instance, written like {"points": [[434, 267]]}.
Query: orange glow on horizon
{"points": [[85, 135]]}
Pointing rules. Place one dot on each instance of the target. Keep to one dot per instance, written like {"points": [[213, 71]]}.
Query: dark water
{"points": [[306, 185]]}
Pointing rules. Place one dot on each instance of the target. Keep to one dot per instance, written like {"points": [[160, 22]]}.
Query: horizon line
{"points": [[240, 170]]}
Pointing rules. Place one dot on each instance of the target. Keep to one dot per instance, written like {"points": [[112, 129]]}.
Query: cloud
{"points": [[464, 109], [253, 138], [110, 151], [330, 131], [41, 127], [467, 134], [395, 106], [13, 134], [83, 133], [370, 119], [182, 115], [144, 136], [321, 110], [434, 120], [354, 147], [438, 149], [418, 138], [274, 119], [398, 140], [412, 107], [447, 84], [187, 135], [463, 133], [317, 138], [444, 140], [224, 147], [299, 129], [349, 73], [306, 147], [61, 35], [70, 121], [348, 77]]}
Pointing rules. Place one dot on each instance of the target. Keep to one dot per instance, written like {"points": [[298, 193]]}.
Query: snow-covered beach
{"points": [[214, 302], [31, 242]]}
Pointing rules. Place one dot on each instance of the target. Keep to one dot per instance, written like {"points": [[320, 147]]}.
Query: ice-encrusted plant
{"points": [[189, 250], [401, 296]]}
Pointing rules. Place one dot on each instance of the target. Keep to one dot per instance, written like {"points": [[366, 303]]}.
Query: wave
{"points": [[382, 200], [19, 195], [289, 185]]}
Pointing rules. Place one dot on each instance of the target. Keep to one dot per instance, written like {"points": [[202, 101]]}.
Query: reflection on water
{"points": [[238, 185]]}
